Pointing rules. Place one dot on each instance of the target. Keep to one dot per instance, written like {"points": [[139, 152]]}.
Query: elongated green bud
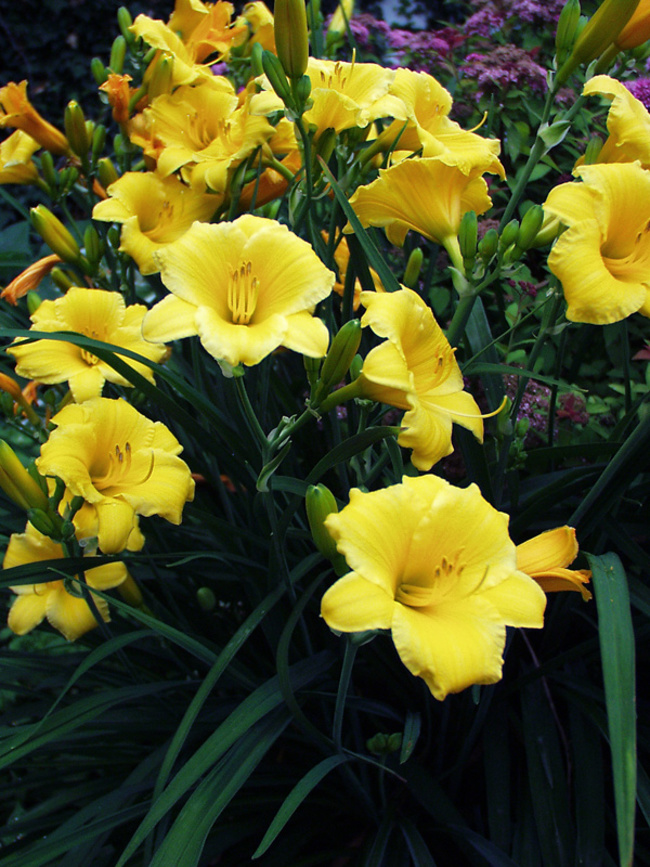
{"points": [[256, 59], [99, 71], [98, 140], [41, 521], [50, 175], [413, 268], [339, 358], [592, 151], [488, 244], [118, 53], [291, 37], [600, 32], [60, 280], [106, 172], [312, 369], [93, 245], [33, 301], [325, 144], [302, 90], [509, 235], [275, 73], [160, 81], [320, 503], [75, 129], [55, 234], [125, 21], [531, 223], [567, 30], [468, 238]]}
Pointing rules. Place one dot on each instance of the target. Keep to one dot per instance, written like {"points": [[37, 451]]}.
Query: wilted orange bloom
{"points": [[17, 112], [119, 93], [29, 279]]}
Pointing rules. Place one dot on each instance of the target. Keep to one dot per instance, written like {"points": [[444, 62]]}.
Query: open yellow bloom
{"points": [[68, 613], [430, 130], [603, 258], [434, 564], [154, 212], [628, 123], [203, 128], [429, 195], [121, 463], [245, 288], [16, 164], [345, 95], [94, 313], [545, 558], [415, 369], [18, 112], [259, 20]]}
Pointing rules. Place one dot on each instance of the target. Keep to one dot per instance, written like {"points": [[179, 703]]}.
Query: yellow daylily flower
{"points": [[345, 95], [65, 611], [628, 123], [434, 564], [430, 130], [204, 128], [17, 111], [121, 463], [94, 313], [154, 212], [245, 288], [603, 257], [259, 19], [16, 164], [429, 195], [545, 558], [416, 370]]}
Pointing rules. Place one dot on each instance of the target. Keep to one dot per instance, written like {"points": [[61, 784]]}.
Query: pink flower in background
{"points": [[640, 89]]}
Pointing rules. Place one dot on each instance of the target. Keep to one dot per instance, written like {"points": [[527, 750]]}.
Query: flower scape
{"points": [[324, 396]]}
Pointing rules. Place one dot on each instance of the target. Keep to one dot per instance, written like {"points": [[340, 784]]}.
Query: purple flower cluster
{"points": [[422, 49], [503, 68], [640, 89], [518, 11], [533, 407]]}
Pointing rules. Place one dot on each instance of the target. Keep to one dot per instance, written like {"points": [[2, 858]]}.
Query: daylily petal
{"points": [[353, 604], [557, 547], [26, 613], [169, 319], [453, 647], [71, 615]]}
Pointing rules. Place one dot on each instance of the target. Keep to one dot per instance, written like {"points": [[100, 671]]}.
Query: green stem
{"points": [[344, 683], [460, 319], [249, 413], [536, 153]]}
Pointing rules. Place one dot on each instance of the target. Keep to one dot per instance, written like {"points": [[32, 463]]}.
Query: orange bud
{"points": [[29, 279], [17, 111], [119, 93], [637, 29]]}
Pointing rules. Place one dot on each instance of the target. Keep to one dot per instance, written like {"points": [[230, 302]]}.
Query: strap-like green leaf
{"points": [[617, 654]]}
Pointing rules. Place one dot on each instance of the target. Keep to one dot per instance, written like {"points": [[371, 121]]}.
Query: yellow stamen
{"points": [[243, 292]]}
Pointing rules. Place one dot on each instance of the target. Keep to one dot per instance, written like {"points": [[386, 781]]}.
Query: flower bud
{"points": [[13, 472], [312, 369], [99, 71], [592, 151], [488, 244], [291, 38], [98, 140], [275, 73], [93, 245], [637, 29], [320, 503], [600, 32], [124, 22], [205, 597], [50, 175], [106, 172], [468, 238], [531, 223], [302, 90], [75, 129], [118, 53], [567, 30], [256, 60], [34, 301], [413, 267], [55, 234], [508, 235], [382, 744], [42, 521], [339, 358], [61, 279]]}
